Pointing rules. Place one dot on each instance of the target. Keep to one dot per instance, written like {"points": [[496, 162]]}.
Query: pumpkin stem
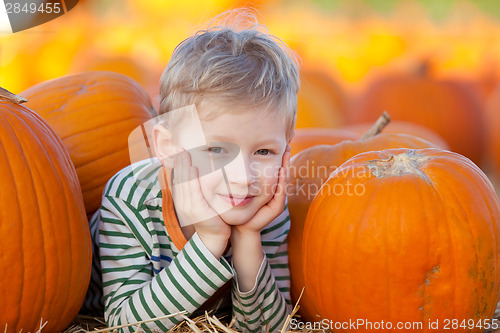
{"points": [[397, 165], [379, 125], [6, 95]]}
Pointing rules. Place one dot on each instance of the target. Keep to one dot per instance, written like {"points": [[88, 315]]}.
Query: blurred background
{"points": [[431, 63]]}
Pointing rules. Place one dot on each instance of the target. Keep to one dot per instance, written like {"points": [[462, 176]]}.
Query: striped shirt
{"points": [[150, 270]]}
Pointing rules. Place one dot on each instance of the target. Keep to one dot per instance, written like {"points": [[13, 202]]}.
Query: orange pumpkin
{"points": [[320, 101], [45, 245], [308, 137], [493, 122], [93, 113], [404, 127], [310, 168], [404, 235], [95, 60], [444, 107]]}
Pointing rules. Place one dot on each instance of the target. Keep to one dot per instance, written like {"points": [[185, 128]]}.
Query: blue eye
{"points": [[215, 150], [264, 152]]}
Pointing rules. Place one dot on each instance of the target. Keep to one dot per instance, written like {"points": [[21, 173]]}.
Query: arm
{"points": [[133, 289], [260, 302], [267, 303]]}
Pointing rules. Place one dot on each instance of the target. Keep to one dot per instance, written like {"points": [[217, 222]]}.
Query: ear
{"points": [[162, 140]]}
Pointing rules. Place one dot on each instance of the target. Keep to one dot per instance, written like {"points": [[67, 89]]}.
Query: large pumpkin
{"points": [[446, 108], [93, 59], [45, 238], [93, 113], [310, 168], [320, 102], [405, 236], [493, 121]]}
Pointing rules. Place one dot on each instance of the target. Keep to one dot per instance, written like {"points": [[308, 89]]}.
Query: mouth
{"points": [[237, 200]]}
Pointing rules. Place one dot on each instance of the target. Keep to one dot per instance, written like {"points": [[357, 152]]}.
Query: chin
{"points": [[235, 216]]}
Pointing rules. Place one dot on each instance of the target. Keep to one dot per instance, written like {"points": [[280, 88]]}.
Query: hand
{"points": [[274, 207], [193, 209], [245, 239]]}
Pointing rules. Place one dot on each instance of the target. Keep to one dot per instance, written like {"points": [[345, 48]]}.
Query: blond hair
{"points": [[235, 61]]}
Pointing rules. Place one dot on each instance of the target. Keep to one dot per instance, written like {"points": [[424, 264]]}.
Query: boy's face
{"points": [[238, 155]]}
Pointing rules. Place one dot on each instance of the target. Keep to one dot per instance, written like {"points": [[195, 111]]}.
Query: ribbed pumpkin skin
{"points": [[93, 113], [444, 107], [45, 240], [411, 247], [310, 168]]}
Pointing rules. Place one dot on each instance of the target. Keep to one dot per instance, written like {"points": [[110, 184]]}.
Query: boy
{"points": [[208, 215]]}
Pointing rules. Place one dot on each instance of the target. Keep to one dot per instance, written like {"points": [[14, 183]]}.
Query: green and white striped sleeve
{"points": [[266, 306], [132, 290]]}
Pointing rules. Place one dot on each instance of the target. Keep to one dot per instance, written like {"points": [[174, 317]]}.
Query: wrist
{"points": [[244, 241], [238, 233], [247, 258], [216, 244]]}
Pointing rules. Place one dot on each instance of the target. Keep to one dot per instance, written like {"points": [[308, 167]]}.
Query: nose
{"points": [[240, 172]]}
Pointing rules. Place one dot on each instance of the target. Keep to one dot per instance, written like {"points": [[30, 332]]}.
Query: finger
{"points": [[279, 197], [193, 173], [282, 183], [286, 165], [182, 163], [178, 180], [193, 188], [186, 156], [176, 174], [191, 182], [187, 174], [286, 159], [184, 198], [167, 162], [177, 164], [196, 198], [285, 154]]}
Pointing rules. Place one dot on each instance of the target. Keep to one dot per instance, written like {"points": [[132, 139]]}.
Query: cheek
{"points": [[209, 182], [267, 179]]}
